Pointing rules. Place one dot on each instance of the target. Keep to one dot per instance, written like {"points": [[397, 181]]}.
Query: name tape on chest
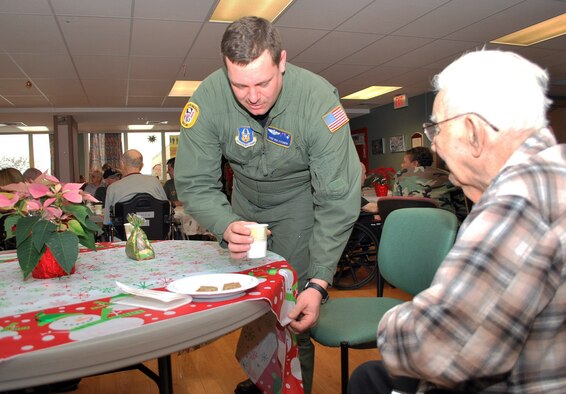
{"points": [[279, 137], [189, 115], [335, 119]]}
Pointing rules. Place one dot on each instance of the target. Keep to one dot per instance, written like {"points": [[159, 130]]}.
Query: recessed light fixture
{"points": [[371, 92], [230, 10], [184, 88], [140, 126], [33, 128], [550, 28]]}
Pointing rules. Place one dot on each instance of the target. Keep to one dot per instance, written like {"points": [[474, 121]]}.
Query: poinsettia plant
{"points": [[48, 213], [382, 175]]}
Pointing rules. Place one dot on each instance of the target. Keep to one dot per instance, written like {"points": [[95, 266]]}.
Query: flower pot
{"points": [[381, 190], [48, 267]]}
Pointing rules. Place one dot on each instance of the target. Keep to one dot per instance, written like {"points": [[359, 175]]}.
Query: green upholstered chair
{"points": [[414, 242]]}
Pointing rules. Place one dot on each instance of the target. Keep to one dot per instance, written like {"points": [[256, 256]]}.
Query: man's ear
{"points": [[476, 135]]}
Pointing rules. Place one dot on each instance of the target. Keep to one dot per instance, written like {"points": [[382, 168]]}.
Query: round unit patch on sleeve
{"points": [[189, 115]]}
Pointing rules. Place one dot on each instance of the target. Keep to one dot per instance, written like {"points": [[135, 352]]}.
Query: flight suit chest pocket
{"points": [[282, 149], [243, 145]]}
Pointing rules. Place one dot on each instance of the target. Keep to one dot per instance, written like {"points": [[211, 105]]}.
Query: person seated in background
{"points": [[417, 178], [192, 229], [494, 317], [95, 182], [367, 206], [109, 177], [10, 175], [31, 173], [169, 185], [132, 183]]}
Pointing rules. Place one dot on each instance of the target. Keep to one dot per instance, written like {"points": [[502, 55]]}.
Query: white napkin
{"points": [[152, 299]]}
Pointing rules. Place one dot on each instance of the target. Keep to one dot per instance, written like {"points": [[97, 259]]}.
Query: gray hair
{"points": [[133, 158], [505, 88]]}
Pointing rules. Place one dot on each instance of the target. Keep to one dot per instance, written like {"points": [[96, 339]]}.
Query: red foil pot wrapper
{"points": [[381, 190], [48, 267]]}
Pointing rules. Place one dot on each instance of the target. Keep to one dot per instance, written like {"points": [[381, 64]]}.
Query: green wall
{"points": [[385, 122]]}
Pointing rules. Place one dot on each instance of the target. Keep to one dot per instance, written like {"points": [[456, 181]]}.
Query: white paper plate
{"points": [[191, 284]]}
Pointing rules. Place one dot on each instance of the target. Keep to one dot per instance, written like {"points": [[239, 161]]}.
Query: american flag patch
{"points": [[335, 119]]}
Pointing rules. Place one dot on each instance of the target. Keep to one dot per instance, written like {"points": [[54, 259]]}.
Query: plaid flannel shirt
{"points": [[494, 318]]}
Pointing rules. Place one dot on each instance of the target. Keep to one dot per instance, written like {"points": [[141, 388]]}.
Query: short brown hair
{"points": [[421, 154], [247, 38]]}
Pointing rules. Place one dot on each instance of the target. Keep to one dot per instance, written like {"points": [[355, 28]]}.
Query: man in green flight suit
{"points": [[288, 141]]}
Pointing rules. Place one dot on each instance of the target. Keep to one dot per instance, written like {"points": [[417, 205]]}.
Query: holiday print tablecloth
{"points": [[39, 314]]}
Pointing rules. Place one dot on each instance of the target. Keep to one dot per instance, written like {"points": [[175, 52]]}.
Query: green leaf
{"points": [[78, 211], [65, 248], [9, 223], [88, 241], [23, 228], [91, 226], [28, 256], [41, 231], [81, 214], [76, 227]]}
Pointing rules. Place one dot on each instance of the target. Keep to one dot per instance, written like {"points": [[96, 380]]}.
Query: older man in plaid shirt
{"points": [[494, 318]]}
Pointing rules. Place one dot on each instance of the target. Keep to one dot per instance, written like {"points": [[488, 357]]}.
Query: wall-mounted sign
{"points": [[400, 101]]}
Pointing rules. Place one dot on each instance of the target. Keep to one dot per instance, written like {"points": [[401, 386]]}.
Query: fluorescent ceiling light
{"points": [[184, 88], [140, 126], [231, 10], [33, 128], [371, 92], [551, 28]]}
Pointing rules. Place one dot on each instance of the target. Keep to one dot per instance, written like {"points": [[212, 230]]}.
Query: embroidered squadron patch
{"points": [[335, 119], [246, 137], [189, 115], [279, 137]]}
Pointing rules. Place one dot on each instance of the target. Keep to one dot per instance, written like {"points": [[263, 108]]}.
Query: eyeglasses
{"points": [[431, 129]]}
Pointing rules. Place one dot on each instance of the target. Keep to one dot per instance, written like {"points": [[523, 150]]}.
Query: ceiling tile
{"points": [[51, 66], [27, 101], [155, 67], [387, 16], [174, 9], [336, 46], [174, 38], [207, 44], [386, 49], [145, 101], [295, 41], [319, 14], [111, 8], [144, 87], [17, 87], [342, 72], [8, 68], [106, 88], [35, 33], [96, 36], [196, 69], [68, 87], [101, 66], [514, 18], [455, 15], [430, 53]]}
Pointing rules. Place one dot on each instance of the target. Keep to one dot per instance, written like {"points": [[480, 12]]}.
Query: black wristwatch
{"points": [[320, 289]]}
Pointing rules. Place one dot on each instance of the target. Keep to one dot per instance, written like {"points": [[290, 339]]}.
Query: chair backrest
{"points": [[386, 205], [156, 214], [414, 241]]}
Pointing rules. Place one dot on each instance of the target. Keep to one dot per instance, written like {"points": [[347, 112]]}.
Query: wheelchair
{"points": [[358, 263]]}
